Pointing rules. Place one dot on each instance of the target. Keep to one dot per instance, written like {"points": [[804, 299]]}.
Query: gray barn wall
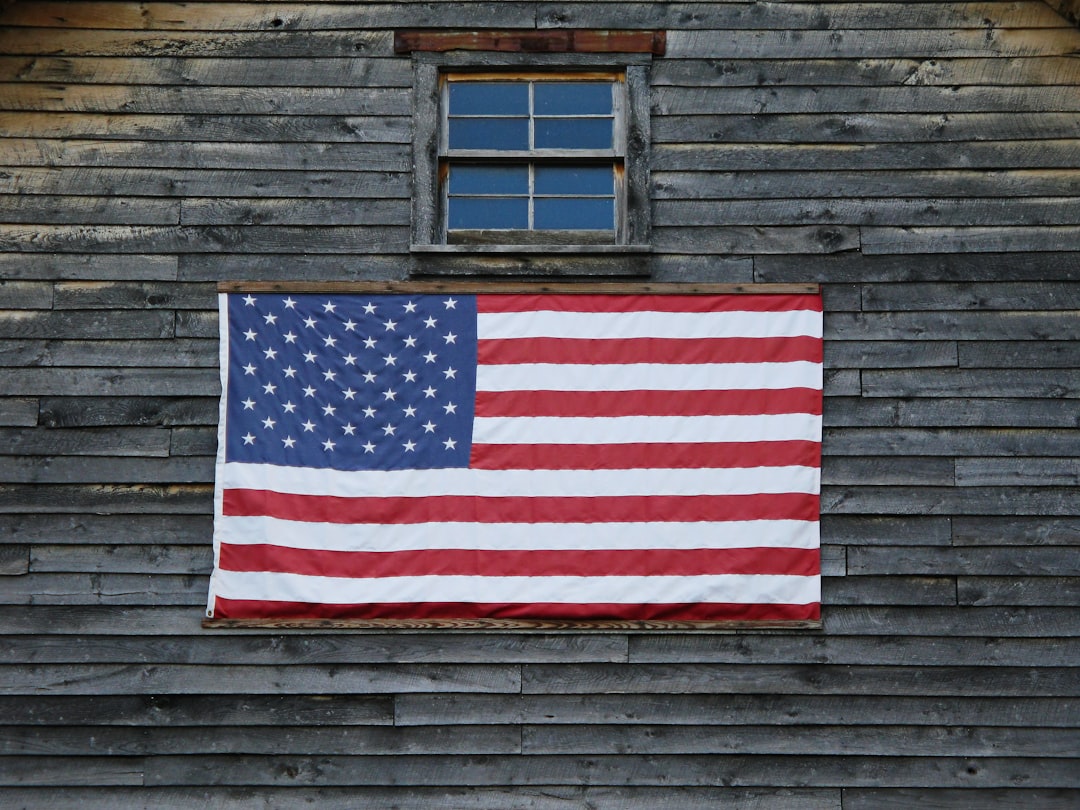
{"points": [[922, 161]]}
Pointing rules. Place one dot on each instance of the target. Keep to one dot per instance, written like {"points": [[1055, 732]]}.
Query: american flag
{"points": [[524, 456]]}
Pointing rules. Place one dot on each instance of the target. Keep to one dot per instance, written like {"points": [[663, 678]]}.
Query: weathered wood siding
{"points": [[921, 160]]}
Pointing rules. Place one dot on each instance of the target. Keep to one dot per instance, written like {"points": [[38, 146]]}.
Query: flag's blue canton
{"points": [[351, 382]]}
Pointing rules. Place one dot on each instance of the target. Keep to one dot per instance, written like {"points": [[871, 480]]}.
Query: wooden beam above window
{"points": [[529, 40]]}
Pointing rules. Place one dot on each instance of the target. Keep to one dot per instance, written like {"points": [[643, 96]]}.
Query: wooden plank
{"points": [[1015, 622], [755, 240], [193, 441], [105, 589], [1057, 267], [18, 411], [889, 354], [113, 529], [530, 40], [114, 325], [819, 679], [950, 442], [310, 648], [89, 210], [782, 711], [204, 100], [738, 771], [1012, 590], [970, 325], [70, 470], [794, 649], [129, 295], [249, 211], [14, 560], [179, 353], [970, 240], [61, 266], [70, 412], [864, 127], [478, 287], [165, 711], [71, 771], [155, 382], [1048, 383], [25, 295], [887, 531], [1045, 354], [104, 679], [888, 590], [972, 561], [113, 499], [834, 740], [1021, 472], [121, 441], [1025, 71], [946, 411], [889, 470], [950, 501], [267, 72], [952, 799], [1016, 531]]}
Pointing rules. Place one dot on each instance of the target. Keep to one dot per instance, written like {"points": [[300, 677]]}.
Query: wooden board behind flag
{"points": [[528, 456]]}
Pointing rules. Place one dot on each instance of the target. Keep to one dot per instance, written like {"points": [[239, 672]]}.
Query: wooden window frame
{"points": [[430, 69]]}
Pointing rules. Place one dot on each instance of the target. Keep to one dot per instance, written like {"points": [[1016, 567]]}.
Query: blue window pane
{"points": [[489, 133], [575, 180], [573, 98], [560, 213], [489, 180], [489, 98], [487, 212], [573, 133]]}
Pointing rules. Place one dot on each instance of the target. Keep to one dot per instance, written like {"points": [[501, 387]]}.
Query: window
{"points": [[530, 152]]}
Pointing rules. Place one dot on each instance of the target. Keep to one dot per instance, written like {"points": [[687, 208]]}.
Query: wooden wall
{"points": [[922, 160]]}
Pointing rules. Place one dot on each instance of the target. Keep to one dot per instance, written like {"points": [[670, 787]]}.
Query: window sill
{"points": [[553, 248]]}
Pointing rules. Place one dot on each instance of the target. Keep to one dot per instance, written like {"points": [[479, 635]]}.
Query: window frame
{"points": [[633, 220]]}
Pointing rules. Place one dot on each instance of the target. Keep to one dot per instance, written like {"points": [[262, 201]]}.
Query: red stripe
{"points": [[647, 303], [454, 509], [649, 350], [712, 455], [699, 612], [649, 403], [520, 563]]}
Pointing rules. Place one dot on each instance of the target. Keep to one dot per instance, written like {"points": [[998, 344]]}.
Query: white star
{"points": [[369, 343], [369, 376], [450, 337], [249, 404], [451, 373], [349, 393], [290, 337], [289, 372], [429, 392], [269, 423], [288, 441], [289, 407], [390, 360], [350, 325], [450, 444], [309, 322], [249, 300], [249, 439], [410, 307], [329, 341], [369, 448], [329, 375], [349, 429], [349, 359], [410, 341], [269, 388], [329, 410], [309, 357], [450, 407], [389, 430], [409, 446], [430, 322], [450, 303], [430, 357], [410, 376], [250, 334], [308, 426], [309, 391], [389, 326], [329, 306], [271, 354], [249, 369], [270, 318], [328, 446], [369, 412], [429, 427], [289, 303], [410, 411], [369, 308], [390, 394]]}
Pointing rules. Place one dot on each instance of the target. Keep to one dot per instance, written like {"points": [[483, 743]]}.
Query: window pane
{"points": [[573, 133], [560, 213], [489, 180], [489, 133], [573, 98], [489, 98], [487, 212], [575, 180]]}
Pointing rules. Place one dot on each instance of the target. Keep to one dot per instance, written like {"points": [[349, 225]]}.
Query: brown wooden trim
{"points": [[505, 287], [530, 40], [472, 625]]}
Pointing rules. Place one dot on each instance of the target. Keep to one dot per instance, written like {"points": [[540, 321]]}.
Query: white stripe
{"points": [[519, 536], [648, 429], [601, 325], [735, 588], [519, 483], [648, 376]]}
